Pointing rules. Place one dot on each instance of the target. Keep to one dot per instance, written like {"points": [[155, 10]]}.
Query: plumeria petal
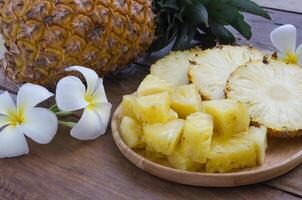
{"points": [[299, 53], [40, 124], [70, 94], [99, 94], [89, 127], [30, 95], [7, 105], [4, 120], [90, 76], [104, 111], [12, 142], [284, 38], [2, 47]]}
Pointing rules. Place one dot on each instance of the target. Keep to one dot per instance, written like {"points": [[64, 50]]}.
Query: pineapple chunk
{"points": [[153, 108], [178, 160], [172, 114], [186, 100], [231, 154], [132, 133], [259, 136], [163, 138], [153, 85], [128, 105], [152, 154], [197, 136], [230, 116]]}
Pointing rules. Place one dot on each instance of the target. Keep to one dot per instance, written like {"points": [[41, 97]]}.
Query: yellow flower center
{"points": [[90, 101], [291, 58], [16, 118]]}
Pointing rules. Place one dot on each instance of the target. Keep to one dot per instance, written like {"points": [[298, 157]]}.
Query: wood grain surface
{"points": [[71, 169]]}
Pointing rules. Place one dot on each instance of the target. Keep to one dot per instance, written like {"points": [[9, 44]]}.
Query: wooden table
{"points": [[72, 169]]}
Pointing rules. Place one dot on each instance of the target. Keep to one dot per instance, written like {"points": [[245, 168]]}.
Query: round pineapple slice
{"points": [[174, 67], [273, 92], [210, 69]]}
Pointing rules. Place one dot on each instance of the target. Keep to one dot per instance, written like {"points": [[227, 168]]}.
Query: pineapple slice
{"points": [[174, 67], [272, 91], [132, 133], [153, 85], [231, 154], [230, 116], [186, 100], [178, 160], [197, 135], [259, 136], [128, 106], [163, 138], [210, 69], [153, 108]]}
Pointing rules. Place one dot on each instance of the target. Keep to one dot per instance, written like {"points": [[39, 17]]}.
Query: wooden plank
{"points": [[283, 5]]}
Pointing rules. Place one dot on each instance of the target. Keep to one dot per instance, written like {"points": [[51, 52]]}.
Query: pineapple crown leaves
{"points": [[201, 22]]}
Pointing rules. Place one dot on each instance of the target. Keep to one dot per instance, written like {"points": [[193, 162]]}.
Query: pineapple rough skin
{"points": [[45, 37]]}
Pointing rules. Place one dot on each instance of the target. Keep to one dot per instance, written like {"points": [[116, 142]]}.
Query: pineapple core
{"points": [[132, 133], [154, 108], [197, 135], [153, 85], [230, 116], [163, 138], [186, 100]]}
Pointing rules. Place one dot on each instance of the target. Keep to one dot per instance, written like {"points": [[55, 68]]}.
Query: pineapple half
{"points": [[210, 69], [272, 90]]}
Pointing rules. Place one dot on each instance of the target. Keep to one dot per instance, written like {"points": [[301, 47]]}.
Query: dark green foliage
{"points": [[201, 21]]}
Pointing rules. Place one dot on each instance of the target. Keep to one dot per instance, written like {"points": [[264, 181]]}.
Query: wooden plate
{"points": [[282, 156]]}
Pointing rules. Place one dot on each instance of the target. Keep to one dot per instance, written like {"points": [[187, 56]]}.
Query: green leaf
{"points": [[181, 36], [196, 13], [250, 7], [224, 35]]}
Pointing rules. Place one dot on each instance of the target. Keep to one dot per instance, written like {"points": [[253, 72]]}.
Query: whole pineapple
{"points": [[43, 37]]}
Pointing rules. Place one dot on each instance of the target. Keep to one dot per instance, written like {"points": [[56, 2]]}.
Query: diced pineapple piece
{"points": [[128, 105], [153, 108], [186, 100], [231, 154], [163, 138], [178, 160], [172, 115], [132, 133], [153, 85], [259, 136], [230, 116], [197, 136], [152, 154]]}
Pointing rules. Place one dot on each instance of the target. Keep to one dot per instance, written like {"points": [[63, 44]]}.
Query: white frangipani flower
{"points": [[72, 95], [22, 118], [284, 39]]}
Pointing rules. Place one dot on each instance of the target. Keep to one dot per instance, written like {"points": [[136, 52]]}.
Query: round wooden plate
{"points": [[282, 156]]}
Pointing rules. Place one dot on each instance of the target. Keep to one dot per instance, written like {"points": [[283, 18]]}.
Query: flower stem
{"points": [[67, 124], [62, 113]]}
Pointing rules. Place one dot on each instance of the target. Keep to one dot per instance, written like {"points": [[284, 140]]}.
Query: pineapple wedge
{"points": [[186, 100], [132, 133], [259, 136], [178, 160], [153, 108], [128, 106], [163, 138], [231, 154], [230, 116], [197, 136], [153, 85]]}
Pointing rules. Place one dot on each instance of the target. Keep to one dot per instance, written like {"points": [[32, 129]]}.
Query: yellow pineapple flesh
{"points": [[128, 106], [132, 133], [179, 160], [230, 116], [231, 154], [44, 37], [153, 108], [186, 100], [197, 136], [152, 154], [153, 85], [164, 137]]}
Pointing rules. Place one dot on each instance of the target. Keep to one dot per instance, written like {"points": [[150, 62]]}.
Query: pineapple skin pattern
{"points": [[44, 37]]}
